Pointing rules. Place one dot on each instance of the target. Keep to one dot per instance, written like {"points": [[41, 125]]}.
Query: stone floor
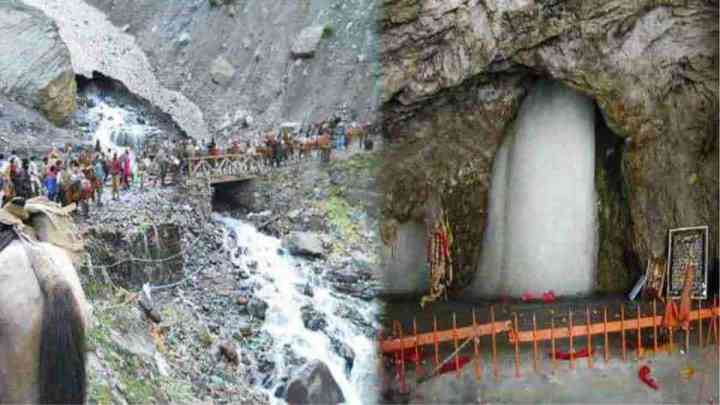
{"points": [[614, 382]]}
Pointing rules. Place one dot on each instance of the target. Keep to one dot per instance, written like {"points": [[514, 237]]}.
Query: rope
{"points": [[434, 372], [137, 259]]}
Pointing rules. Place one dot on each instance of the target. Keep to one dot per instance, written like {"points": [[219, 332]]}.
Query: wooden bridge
{"points": [[226, 168]]}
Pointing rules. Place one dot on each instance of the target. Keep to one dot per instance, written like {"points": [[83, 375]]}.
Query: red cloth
{"points": [[127, 166], [644, 374], [547, 297], [115, 167], [560, 355]]}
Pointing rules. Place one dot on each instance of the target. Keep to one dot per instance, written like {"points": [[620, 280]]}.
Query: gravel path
{"points": [[97, 45]]}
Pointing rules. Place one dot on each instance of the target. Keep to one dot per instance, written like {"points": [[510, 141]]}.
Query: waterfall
{"points": [[542, 224], [281, 278], [117, 125]]}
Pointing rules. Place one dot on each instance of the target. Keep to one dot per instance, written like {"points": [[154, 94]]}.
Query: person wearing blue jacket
{"points": [[99, 167], [340, 137]]}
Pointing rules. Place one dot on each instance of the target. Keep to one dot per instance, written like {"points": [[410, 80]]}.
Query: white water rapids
{"points": [[281, 278]]}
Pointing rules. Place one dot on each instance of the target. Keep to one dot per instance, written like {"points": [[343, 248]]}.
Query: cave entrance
{"points": [[109, 113], [556, 184]]}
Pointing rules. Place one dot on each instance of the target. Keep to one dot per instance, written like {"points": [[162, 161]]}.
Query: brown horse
{"points": [[361, 133], [264, 154], [80, 192], [43, 317], [8, 190], [323, 143], [305, 148]]}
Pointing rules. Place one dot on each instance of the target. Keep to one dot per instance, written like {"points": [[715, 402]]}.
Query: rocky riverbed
{"points": [[226, 299]]}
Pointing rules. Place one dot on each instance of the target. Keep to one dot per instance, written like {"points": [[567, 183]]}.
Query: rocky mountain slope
{"points": [[26, 130], [35, 69], [252, 64], [455, 73]]}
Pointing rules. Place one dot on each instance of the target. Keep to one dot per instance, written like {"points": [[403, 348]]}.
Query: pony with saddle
{"points": [[81, 191], [43, 310]]}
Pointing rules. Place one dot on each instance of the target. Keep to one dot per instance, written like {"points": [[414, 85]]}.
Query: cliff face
{"points": [[259, 63], [26, 130], [35, 67], [456, 71]]}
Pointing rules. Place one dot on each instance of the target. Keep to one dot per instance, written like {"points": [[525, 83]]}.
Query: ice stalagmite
{"points": [[542, 233]]}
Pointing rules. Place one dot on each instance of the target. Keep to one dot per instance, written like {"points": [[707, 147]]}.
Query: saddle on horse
{"points": [[39, 219]]}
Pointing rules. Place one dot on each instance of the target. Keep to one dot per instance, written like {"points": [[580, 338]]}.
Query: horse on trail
{"points": [[43, 319], [305, 148], [81, 192], [323, 143], [359, 132]]}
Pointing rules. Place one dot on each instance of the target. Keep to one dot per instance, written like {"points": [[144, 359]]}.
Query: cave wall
{"points": [[618, 265], [404, 262], [447, 151], [454, 73]]}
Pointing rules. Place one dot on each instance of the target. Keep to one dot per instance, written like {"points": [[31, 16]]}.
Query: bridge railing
{"points": [[237, 165]]}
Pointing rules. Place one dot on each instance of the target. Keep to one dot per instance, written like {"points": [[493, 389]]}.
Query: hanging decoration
{"points": [[439, 260]]}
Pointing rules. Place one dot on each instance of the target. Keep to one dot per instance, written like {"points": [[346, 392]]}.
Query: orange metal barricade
{"points": [[398, 345]]}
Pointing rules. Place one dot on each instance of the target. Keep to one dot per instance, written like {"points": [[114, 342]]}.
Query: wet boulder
{"points": [[345, 351], [221, 71], [257, 308], [184, 39], [307, 42], [313, 319], [304, 244], [314, 384]]}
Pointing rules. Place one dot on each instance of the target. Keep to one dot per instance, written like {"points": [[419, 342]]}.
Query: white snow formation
{"points": [[542, 226]]}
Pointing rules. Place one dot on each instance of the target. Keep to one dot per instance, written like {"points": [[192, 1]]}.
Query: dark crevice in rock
{"points": [[617, 263]]}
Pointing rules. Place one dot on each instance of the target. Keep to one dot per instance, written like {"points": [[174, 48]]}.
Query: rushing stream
{"points": [[282, 278]]}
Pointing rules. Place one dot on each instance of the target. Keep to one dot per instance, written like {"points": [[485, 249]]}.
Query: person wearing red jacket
{"points": [[115, 171]]}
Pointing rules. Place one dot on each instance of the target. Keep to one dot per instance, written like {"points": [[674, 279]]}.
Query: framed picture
{"points": [[687, 246]]}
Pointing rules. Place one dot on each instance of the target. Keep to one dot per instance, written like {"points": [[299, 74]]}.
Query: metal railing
{"points": [[406, 348]]}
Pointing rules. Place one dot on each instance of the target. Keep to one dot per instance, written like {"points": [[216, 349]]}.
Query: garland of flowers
{"points": [[439, 260]]}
